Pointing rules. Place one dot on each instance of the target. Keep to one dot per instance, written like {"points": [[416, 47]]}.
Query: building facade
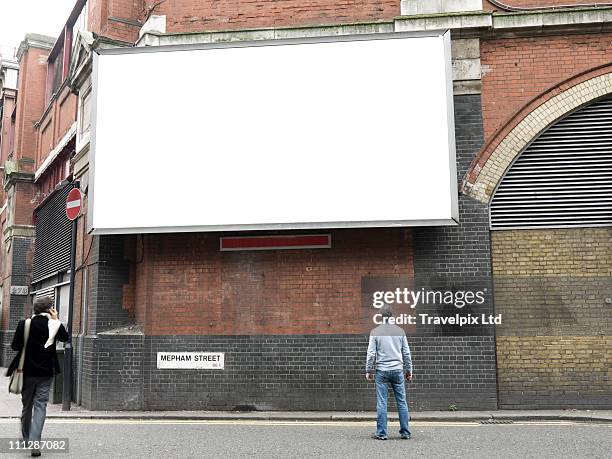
{"points": [[533, 131]]}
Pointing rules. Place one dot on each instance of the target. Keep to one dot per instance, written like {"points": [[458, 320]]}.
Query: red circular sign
{"points": [[73, 204]]}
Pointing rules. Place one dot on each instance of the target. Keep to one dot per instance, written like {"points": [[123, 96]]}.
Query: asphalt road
{"points": [[271, 439]]}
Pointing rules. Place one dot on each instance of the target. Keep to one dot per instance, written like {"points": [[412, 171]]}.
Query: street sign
{"points": [[191, 360], [73, 204]]}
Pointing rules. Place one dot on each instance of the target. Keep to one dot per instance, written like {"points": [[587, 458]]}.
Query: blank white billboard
{"points": [[315, 133]]}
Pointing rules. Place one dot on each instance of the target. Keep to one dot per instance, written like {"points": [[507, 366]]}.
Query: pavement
{"points": [[10, 407]]}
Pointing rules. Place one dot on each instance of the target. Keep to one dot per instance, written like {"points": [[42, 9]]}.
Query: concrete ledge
{"points": [[411, 7], [456, 21], [467, 24], [556, 18], [159, 39]]}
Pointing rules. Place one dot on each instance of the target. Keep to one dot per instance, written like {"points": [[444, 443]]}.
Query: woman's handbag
{"points": [[16, 382]]}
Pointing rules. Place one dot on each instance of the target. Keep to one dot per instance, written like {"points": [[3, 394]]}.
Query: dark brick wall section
{"points": [[21, 250], [458, 256], [21, 264], [85, 368], [109, 272], [281, 372], [464, 250], [112, 372]]}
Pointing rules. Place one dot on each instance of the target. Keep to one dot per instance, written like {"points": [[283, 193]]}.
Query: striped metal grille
{"points": [[53, 236], [563, 178]]}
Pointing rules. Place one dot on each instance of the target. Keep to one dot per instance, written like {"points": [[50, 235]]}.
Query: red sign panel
{"points": [[73, 204], [310, 241]]}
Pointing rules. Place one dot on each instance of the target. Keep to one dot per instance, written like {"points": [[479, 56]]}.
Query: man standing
{"points": [[39, 367], [389, 349]]}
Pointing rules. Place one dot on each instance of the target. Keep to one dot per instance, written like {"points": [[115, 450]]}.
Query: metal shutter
{"points": [[563, 178], [53, 235]]}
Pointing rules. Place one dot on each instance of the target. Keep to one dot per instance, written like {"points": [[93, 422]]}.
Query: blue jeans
{"points": [[396, 379]]}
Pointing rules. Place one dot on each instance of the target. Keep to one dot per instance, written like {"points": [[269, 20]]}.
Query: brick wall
{"points": [[104, 18], [20, 257], [551, 286], [461, 251], [459, 256], [56, 123], [189, 287], [66, 112], [193, 15], [285, 319], [555, 372], [109, 271], [31, 100], [111, 372], [23, 200], [518, 69], [273, 372]]}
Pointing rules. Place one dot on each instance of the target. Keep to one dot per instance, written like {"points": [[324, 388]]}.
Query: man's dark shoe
{"points": [[378, 437], [35, 453], [406, 436]]}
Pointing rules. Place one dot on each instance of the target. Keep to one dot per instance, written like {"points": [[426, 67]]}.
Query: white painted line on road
{"points": [[248, 422], [263, 422]]}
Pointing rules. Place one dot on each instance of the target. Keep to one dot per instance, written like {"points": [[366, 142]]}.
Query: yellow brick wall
{"points": [[579, 252], [554, 288]]}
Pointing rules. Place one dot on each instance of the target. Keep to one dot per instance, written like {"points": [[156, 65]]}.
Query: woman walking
{"points": [[40, 365]]}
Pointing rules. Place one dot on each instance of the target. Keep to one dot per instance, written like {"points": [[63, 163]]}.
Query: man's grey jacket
{"points": [[389, 349]]}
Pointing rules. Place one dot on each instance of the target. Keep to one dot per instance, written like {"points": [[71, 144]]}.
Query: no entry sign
{"points": [[73, 204]]}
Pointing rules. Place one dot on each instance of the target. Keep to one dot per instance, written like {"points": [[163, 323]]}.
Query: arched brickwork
{"points": [[506, 144]]}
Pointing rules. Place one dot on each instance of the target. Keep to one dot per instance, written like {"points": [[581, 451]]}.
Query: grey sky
{"points": [[18, 17]]}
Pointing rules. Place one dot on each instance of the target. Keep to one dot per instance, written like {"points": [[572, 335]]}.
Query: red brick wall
{"points": [[66, 112], [96, 15], [24, 202], [59, 117], [201, 15], [518, 69], [100, 11], [31, 100], [47, 140], [185, 285]]}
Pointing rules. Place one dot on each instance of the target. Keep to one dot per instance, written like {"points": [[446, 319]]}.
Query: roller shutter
{"points": [[53, 234], [563, 178]]}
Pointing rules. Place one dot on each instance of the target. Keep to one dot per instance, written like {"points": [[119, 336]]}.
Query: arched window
{"points": [[563, 178]]}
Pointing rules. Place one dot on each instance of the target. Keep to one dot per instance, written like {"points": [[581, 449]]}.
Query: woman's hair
{"points": [[43, 304]]}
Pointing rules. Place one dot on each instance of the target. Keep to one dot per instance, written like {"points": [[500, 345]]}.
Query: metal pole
{"points": [[67, 384]]}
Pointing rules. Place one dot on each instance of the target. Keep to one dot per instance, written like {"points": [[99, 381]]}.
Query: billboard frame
{"points": [[453, 221]]}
